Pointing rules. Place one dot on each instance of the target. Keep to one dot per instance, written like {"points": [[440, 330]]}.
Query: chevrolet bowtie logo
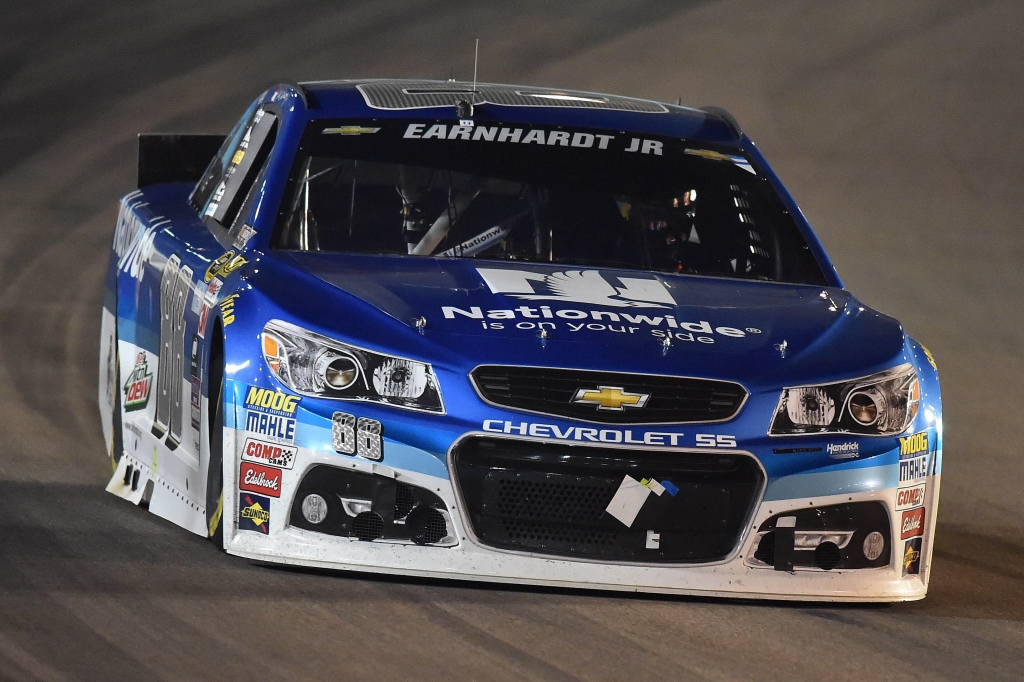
{"points": [[349, 130], [610, 398]]}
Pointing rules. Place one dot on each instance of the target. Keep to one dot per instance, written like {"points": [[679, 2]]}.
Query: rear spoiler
{"points": [[175, 158]]}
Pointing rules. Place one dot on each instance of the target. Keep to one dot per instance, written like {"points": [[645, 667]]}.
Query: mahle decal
{"points": [[136, 389]]}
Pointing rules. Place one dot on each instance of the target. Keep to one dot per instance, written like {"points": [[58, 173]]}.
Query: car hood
{"points": [[557, 315]]}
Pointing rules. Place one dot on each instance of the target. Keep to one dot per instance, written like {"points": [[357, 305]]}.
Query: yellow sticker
{"points": [[237, 158], [224, 265], [350, 130]]}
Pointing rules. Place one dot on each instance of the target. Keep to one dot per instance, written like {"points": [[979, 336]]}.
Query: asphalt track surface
{"points": [[897, 126]]}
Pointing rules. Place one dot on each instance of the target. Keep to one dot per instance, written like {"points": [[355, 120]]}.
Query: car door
{"points": [[189, 266]]}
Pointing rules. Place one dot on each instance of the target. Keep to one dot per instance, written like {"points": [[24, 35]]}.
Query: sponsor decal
{"points": [[912, 524], [930, 358], [272, 401], [227, 309], [254, 513], [588, 287], [137, 388], [912, 557], [913, 470], [256, 450], [244, 235], [259, 479], [204, 316], [350, 130], [133, 240], [270, 426], [224, 266], [613, 398], [908, 498], [578, 286], [843, 450], [914, 445]]}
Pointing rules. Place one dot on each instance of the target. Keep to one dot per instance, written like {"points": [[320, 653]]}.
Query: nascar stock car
{"points": [[510, 334]]}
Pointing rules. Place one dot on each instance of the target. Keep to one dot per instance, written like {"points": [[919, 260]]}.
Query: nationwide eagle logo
{"points": [[589, 287]]}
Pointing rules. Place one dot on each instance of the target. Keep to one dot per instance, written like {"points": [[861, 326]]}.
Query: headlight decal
{"points": [[883, 404], [315, 365]]}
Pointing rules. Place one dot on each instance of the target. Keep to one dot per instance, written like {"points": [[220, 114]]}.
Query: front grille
{"points": [[672, 400], [551, 498]]}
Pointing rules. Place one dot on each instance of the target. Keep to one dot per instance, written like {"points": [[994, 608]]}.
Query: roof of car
{"points": [[515, 103]]}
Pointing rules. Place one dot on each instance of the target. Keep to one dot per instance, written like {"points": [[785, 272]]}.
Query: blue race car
{"points": [[511, 334]]}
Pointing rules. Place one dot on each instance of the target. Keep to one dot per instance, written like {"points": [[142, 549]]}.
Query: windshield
{"points": [[519, 192]]}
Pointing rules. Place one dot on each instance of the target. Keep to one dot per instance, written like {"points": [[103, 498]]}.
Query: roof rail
{"points": [[726, 117], [304, 95]]}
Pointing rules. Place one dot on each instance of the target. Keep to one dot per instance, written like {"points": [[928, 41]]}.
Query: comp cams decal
{"points": [[273, 454]]}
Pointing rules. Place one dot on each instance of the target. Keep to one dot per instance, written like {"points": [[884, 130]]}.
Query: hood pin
{"points": [[421, 323], [832, 304], [781, 347], [543, 335]]}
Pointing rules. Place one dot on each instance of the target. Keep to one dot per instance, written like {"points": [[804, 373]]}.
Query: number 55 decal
{"points": [[710, 440]]}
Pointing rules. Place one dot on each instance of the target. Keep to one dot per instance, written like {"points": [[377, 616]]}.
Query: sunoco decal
{"points": [[254, 513]]}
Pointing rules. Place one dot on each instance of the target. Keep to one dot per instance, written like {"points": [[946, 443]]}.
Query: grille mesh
{"points": [[552, 498], [401, 95], [673, 400]]}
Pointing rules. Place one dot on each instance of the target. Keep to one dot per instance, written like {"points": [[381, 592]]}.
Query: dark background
{"points": [[897, 127]]}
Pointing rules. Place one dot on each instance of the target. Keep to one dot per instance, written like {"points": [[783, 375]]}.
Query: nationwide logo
{"points": [[578, 286], [136, 389], [912, 470], [912, 445], [254, 513], [913, 523], [260, 479], [908, 498], [610, 398], [843, 450], [912, 557], [273, 401], [269, 453]]}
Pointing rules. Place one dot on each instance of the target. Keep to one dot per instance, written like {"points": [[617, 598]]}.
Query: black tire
{"points": [[215, 469]]}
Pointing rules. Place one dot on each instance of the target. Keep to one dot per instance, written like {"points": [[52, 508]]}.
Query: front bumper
{"points": [[462, 555]]}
